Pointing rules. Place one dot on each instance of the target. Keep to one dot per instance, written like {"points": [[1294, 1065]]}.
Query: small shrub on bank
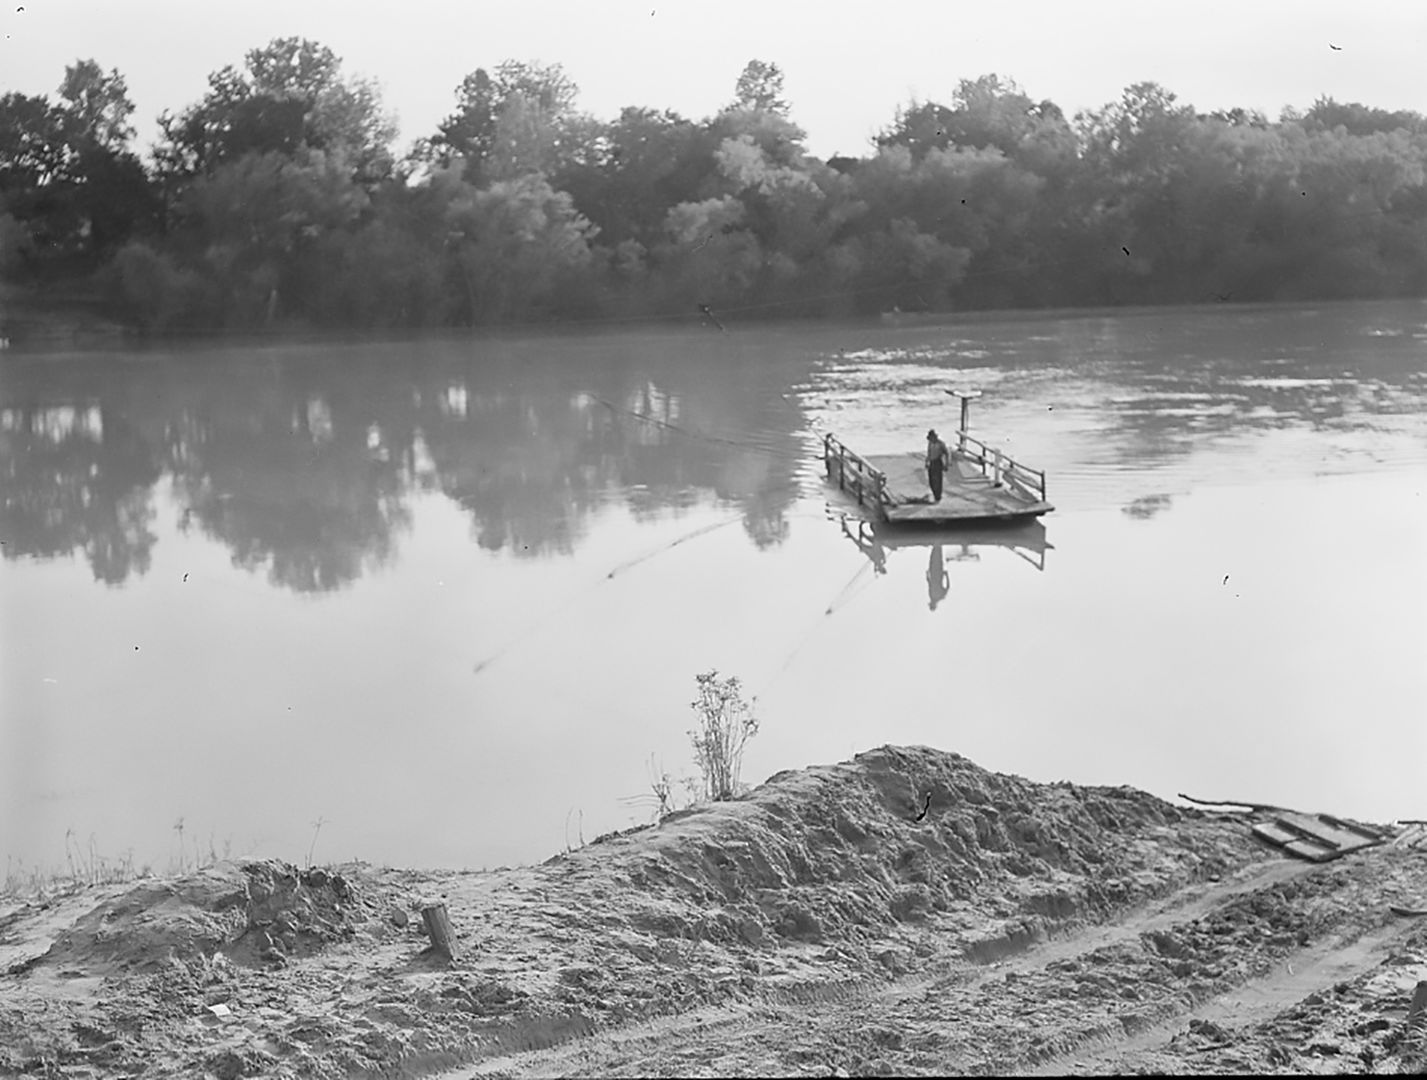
{"points": [[726, 723]]}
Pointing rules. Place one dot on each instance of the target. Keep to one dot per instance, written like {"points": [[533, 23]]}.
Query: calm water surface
{"points": [[448, 599]]}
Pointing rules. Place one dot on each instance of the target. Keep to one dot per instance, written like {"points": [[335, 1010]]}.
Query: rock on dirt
{"points": [[904, 912]]}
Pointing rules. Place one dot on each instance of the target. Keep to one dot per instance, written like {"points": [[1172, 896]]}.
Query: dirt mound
{"points": [[292, 912], [900, 834], [819, 886], [253, 912]]}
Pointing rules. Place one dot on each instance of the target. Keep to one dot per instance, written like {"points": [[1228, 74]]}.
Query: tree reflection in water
{"points": [[306, 463], [77, 478]]}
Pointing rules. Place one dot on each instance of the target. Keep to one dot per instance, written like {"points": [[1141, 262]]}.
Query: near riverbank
{"points": [[904, 912]]}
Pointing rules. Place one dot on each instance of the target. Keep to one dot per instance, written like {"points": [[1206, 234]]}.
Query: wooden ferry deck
{"points": [[967, 494], [982, 485]]}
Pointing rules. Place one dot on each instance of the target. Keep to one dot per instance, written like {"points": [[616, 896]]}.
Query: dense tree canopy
{"points": [[290, 96], [71, 191], [277, 199]]}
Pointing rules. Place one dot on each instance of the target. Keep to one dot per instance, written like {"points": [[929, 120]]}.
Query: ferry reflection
{"points": [[957, 544], [867, 542]]}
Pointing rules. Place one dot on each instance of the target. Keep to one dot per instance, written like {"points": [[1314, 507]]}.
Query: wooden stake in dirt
{"points": [[438, 929], [1417, 1011]]}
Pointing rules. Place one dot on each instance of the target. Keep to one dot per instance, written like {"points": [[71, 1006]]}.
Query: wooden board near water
{"points": [[967, 494]]}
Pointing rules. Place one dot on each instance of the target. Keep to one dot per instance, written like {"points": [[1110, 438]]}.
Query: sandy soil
{"points": [[903, 913]]}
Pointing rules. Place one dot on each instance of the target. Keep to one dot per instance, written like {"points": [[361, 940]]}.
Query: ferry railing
{"points": [[1000, 467], [855, 473]]}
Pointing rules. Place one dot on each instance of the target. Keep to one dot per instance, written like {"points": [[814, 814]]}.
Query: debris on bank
{"points": [[1315, 837]]}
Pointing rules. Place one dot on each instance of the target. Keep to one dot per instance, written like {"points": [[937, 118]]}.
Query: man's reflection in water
{"points": [[867, 543], [938, 583]]}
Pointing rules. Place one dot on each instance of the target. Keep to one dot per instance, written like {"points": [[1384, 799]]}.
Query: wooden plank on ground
{"points": [[1316, 837], [1278, 836], [1330, 835], [1370, 832]]}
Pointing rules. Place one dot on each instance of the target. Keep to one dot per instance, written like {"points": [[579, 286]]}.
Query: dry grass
{"points": [[86, 866], [660, 800]]}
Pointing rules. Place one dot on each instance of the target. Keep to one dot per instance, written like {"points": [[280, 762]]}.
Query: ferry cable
{"points": [[629, 564], [843, 597], [539, 623], [742, 444]]}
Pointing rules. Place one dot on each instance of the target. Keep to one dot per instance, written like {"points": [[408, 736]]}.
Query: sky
{"points": [[847, 65]]}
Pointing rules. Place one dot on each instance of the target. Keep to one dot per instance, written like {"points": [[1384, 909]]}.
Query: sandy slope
{"points": [[906, 912]]}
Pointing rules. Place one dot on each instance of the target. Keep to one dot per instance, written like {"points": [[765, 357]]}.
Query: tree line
{"points": [[277, 200]]}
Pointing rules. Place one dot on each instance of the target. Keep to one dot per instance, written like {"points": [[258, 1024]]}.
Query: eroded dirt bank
{"points": [[905, 912]]}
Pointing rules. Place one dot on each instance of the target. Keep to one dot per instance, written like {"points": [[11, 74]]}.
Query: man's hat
{"points": [[931, 434]]}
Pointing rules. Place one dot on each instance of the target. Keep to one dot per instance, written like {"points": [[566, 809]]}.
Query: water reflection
{"points": [[305, 467], [868, 542], [1027, 541], [292, 482], [1147, 506], [938, 581], [946, 543], [76, 480]]}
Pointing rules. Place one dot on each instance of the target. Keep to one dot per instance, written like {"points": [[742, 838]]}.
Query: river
{"points": [[442, 603]]}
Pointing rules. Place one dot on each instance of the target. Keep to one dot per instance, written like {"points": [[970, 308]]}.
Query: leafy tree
{"points": [[793, 211], [920, 127], [1345, 221], [230, 121], [388, 271], [96, 107], [32, 143], [991, 112], [514, 243], [780, 140], [760, 89], [254, 227], [521, 119], [1137, 137], [1238, 117], [648, 163], [32, 161], [66, 175], [292, 94], [1328, 114], [988, 112], [469, 132], [148, 289], [709, 256]]}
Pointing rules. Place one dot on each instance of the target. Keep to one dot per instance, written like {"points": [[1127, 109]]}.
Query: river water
{"points": [[442, 603]]}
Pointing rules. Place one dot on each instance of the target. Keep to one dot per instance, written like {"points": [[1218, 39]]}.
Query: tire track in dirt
{"points": [[1251, 1002], [705, 1037], [1111, 996]]}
